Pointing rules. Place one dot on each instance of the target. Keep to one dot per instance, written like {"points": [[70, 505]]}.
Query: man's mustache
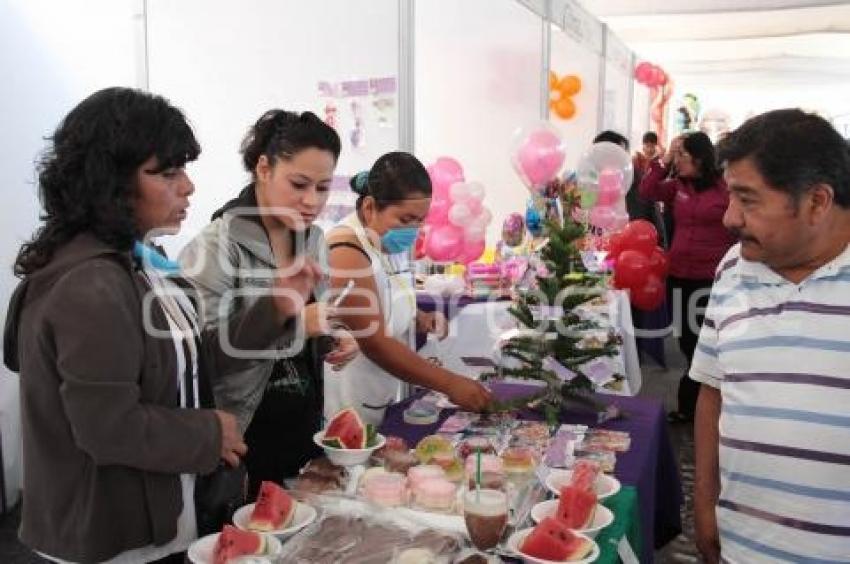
{"points": [[742, 236]]}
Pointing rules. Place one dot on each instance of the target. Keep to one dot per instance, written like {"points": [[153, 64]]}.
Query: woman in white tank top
{"points": [[371, 248]]}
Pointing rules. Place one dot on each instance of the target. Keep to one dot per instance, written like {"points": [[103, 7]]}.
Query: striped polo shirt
{"points": [[779, 353]]}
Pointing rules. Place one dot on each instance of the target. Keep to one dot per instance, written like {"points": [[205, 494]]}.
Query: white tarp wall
{"points": [[478, 67], [617, 93], [577, 48]]}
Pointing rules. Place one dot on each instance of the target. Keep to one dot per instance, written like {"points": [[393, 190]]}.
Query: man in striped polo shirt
{"points": [[772, 426]]}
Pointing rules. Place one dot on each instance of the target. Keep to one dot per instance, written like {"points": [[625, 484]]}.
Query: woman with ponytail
{"points": [[291, 159], [371, 248]]}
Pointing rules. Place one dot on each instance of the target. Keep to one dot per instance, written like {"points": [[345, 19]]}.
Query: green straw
{"points": [[478, 476]]}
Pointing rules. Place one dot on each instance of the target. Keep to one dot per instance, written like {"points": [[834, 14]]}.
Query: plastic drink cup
{"points": [[485, 513]]}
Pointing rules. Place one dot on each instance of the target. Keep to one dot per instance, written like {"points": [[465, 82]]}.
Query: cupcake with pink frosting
{"points": [[388, 489], [435, 494], [418, 474]]}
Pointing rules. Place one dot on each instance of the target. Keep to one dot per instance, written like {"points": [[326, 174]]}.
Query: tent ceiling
{"points": [[747, 43]]}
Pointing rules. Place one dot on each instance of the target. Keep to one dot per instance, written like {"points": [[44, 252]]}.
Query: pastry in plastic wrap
{"points": [[437, 494], [365, 540], [400, 461], [472, 445]]}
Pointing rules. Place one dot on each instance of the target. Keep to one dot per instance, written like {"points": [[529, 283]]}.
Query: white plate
{"points": [[605, 485], [602, 517], [201, 551], [304, 515], [518, 537], [348, 456]]}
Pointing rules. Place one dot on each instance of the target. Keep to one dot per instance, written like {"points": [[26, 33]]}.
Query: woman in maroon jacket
{"points": [[698, 197]]}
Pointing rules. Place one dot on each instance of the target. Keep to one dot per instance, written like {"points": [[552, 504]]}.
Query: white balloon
{"points": [[486, 216], [459, 191], [604, 156], [476, 191], [475, 232], [459, 215]]}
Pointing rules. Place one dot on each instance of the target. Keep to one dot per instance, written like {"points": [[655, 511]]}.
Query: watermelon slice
{"points": [[576, 507], [233, 543], [348, 428], [552, 540], [273, 510], [584, 475]]}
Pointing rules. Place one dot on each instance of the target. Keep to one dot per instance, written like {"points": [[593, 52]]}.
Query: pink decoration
{"points": [[539, 157], [603, 217], [471, 251], [444, 242], [474, 206], [610, 187], [445, 172], [438, 213]]}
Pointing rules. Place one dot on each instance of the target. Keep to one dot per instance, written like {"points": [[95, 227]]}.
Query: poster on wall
{"points": [[353, 107], [340, 203]]}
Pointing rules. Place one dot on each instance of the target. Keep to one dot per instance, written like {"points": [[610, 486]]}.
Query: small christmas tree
{"points": [[552, 345]]}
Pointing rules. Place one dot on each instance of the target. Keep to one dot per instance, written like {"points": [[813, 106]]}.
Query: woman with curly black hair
{"points": [[117, 416]]}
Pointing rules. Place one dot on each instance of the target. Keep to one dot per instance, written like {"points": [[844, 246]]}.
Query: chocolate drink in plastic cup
{"points": [[486, 516]]}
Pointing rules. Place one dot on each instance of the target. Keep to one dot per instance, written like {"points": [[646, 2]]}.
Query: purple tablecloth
{"points": [[649, 465]]}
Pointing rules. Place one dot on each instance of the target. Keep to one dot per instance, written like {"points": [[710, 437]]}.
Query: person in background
{"points": [[371, 248], [772, 434], [116, 409], [636, 206], [650, 149], [269, 226], [698, 198]]}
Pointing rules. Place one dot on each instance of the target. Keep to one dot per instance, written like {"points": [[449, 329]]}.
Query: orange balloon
{"points": [[564, 108], [569, 85], [553, 80]]}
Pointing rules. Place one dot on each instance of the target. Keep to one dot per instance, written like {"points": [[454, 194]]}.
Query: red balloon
{"points": [[642, 72], [614, 246], [650, 295], [659, 264], [419, 245], [640, 235], [632, 270]]}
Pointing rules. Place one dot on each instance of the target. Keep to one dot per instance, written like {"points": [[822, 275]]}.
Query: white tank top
{"points": [[362, 384]]}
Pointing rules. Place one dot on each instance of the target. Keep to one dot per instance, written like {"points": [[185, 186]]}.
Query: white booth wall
{"points": [[52, 55], [577, 44], [640, 115], [477, 79], [227, 62], [617, 93]]}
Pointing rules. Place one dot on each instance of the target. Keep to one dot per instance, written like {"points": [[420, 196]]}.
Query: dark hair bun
{"points": [[360, 183]]}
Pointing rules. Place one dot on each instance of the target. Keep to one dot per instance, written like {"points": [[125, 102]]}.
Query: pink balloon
{"points": [[438, 213], [643, 71], [475, 206], [444, 242], [445, 172], [621, 218], [540, 157], [603, 217], [472, 250], [459, 214], [610, 187]]}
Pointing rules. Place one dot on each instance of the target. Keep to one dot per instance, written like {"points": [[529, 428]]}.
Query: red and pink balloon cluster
{"points": [[640, 265], [650, 75], [457, 222]]}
